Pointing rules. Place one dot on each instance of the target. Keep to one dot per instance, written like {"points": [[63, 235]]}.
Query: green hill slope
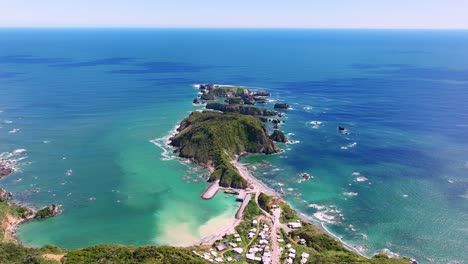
{"points": [[214, 139]]}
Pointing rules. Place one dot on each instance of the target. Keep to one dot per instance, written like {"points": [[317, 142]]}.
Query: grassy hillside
{"points": [[213, 139], [128, 255]]}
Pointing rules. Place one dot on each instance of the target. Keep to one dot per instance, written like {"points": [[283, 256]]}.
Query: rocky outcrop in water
{"points": [[5, 167], [281, 106], [278, 136], [262, 93], [248, 99], [47, 212]]}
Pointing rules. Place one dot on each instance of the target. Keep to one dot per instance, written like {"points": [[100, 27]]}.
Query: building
{"points": [[238, 250], [250, 256], [221, 247], [294, 225]]}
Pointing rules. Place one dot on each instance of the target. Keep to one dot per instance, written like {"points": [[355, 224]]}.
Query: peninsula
{"points": [[267, 229]]}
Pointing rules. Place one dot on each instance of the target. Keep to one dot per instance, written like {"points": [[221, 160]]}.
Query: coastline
{"points": [[12, 220], [244, 172], [324, 229]]}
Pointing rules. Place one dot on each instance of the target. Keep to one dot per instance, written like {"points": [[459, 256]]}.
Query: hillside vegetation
{"points": [[214, 139]]}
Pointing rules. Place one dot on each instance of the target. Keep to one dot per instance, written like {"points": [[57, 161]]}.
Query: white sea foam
{"points": [[163, 144], [322, 216], [14, 130], [405, 196], [350, 193], [361, 179], [46, 141], [327, 214], [351, 145], [18, 152], [308, 108], [316, 124], [292, 134], [316, 206], [389, 253], [292, 142], [356, 173], [7, 121], [361, 248], [21, 158]]}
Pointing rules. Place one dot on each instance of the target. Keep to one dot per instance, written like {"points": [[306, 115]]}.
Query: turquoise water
{"points": [[94, 101]]}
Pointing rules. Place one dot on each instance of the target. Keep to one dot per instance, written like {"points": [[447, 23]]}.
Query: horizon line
{"points": [[232, 28]]}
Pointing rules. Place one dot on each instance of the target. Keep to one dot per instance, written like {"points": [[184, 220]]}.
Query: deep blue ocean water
{"points": [[91, 101]]}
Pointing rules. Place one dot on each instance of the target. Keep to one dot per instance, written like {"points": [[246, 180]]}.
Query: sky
{"points": [[397, 14]]}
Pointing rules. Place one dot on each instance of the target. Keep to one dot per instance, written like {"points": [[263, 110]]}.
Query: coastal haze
{"points": [[94, 109]]}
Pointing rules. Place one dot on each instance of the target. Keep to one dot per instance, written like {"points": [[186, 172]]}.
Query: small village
{"points": [[261, 237]]}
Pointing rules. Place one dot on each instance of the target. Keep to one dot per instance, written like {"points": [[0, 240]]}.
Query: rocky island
{"points": [[215, 140]]}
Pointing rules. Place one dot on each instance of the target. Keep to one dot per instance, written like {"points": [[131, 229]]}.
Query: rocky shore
{"points": [[16, 214]]}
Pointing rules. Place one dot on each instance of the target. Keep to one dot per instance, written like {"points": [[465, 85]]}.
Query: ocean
{"points": [[89, 112]]}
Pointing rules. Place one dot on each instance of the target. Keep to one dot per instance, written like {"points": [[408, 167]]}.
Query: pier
{"points": [[211, 191], [240, 211]]}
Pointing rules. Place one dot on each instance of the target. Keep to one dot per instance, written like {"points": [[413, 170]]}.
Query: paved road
{"points": [[275, 252]]}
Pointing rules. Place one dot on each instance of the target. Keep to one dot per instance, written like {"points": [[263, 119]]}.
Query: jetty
{"points": [[211, 191], [240, 211]]}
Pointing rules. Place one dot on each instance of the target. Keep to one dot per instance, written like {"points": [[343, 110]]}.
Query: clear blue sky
{"points": [[236, 13]]}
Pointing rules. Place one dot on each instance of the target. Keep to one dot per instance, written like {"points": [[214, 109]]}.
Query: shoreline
{"points": [[324, 229], [11, 223], [245, 173]]}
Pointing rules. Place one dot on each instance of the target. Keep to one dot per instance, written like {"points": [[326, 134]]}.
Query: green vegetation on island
{"points": [[215, 139], [245, 110], [48, 211]]}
